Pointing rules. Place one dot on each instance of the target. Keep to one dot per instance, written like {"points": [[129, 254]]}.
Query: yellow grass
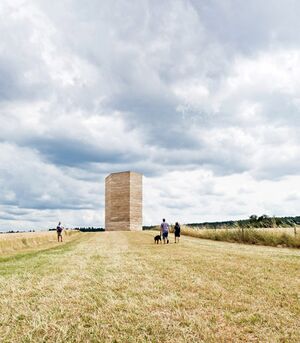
{"points": [[282, 237], [121, 287], [276, 231], [16, 242]]}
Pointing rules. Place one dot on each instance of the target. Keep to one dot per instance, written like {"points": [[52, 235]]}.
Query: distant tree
{"points": [[264, 216], [253, 217]]}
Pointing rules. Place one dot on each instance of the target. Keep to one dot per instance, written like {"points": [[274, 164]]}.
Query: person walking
{"points": [[164, 230], [59, 230], [177, 232]]}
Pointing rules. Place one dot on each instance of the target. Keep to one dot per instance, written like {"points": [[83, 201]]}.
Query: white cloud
{"points": [[191, 94], [199, 196]]}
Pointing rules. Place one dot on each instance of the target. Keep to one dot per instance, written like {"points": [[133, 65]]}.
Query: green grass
{"points": [[121, 287]]}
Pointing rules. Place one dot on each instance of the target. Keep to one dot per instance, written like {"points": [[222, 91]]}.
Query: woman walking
{"points": [[177, 232]]}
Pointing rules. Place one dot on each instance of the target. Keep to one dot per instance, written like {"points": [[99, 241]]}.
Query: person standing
{"points": [[177, 232], [164, 229], [59, 230]]}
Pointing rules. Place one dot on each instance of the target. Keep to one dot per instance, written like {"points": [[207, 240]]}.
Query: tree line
{"points": [[254, 221]]}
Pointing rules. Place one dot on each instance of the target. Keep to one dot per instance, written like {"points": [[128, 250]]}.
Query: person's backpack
{"points": [[59, 229]]}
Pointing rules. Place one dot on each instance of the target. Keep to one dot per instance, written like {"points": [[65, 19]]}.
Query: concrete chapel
{"points": [[124, 201]]}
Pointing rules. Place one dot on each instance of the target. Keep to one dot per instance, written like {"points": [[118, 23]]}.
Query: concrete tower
{"points": [[124, 201]]}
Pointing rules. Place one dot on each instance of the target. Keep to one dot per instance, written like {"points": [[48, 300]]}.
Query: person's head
{"points": [[176, 223], [59, 223], [164, 220]]}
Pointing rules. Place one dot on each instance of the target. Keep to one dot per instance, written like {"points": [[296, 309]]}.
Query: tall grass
{"points": [[283, 237], [13, 242]]}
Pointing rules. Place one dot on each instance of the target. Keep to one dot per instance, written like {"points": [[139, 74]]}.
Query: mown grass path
{"points": [[120, 287]]}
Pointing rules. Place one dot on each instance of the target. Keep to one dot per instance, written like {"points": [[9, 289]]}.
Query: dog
{"points": [[157, 238]]}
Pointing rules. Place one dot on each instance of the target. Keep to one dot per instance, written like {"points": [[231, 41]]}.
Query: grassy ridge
{"points": [[121, 287], [275, 237], [283, 237], [16, 242]]}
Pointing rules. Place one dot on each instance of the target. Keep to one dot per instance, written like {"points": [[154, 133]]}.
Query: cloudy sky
{"points": [[202, 97]]}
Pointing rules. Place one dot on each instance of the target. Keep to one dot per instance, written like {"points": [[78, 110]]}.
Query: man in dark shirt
{"points": [[59, 230], [177, 232]]}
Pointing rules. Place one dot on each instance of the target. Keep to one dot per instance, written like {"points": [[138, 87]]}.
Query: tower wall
{"points": [[123, 202]]}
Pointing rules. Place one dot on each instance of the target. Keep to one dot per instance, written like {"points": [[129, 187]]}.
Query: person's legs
{"points": [[165, 236]]}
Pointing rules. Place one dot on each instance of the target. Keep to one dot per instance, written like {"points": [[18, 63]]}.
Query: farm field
{"points": [[121, 287], [277, 237], [16, 243]]}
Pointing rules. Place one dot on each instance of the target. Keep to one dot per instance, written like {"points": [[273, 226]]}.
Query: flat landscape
{"points": [[121, 287]]}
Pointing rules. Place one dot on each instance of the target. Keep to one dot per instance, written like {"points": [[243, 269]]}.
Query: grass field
{"points": [[11, 243], [276, 237], [121, 287]]}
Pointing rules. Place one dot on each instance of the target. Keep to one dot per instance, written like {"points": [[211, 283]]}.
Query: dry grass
{"points": [[282, 237], [121, 287], [16, 242]]}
